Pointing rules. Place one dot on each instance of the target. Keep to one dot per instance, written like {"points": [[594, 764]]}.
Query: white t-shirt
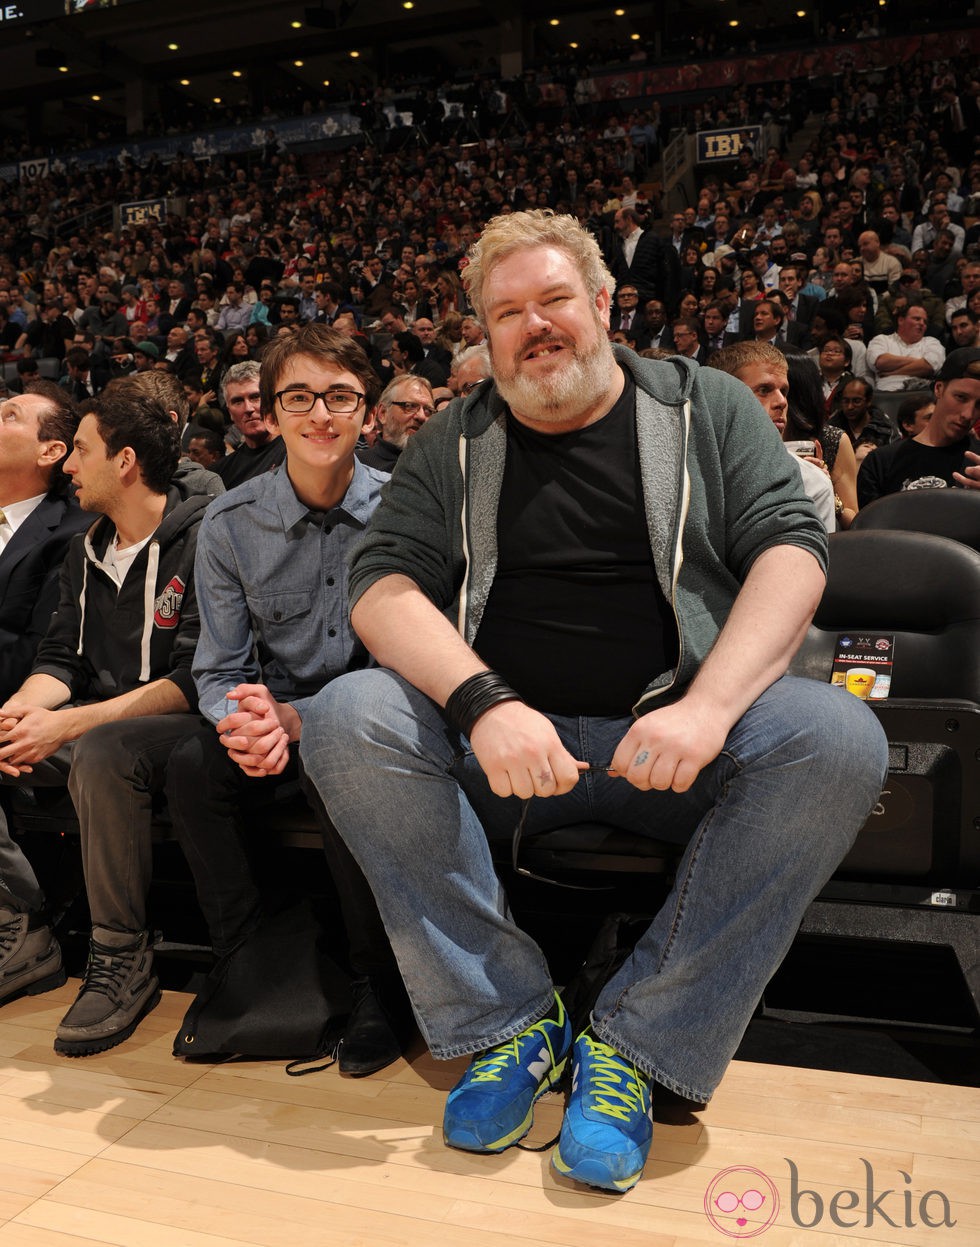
{"points": [[819, 489], [933, 352]]}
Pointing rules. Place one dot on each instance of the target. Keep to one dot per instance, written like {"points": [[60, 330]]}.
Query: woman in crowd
{"points": [[806, 420]]}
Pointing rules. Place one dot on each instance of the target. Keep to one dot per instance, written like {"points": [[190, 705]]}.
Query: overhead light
{"points": [[173, 47], [408, 4], [326, 82], [733, 22], [185, 82], [619, 12], [634, 35], [573, 44], [216, 100], [296, 25], [298, 64], [355, 54], [96, 98], [236, 73], [62, 69], [801, 12], [553, 22]]}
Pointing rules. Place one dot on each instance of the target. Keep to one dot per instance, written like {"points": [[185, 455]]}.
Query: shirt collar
{"points": [[357, 504]]}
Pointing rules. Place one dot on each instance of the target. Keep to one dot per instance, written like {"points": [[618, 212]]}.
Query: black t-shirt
{"points": [[247, 461], [576, 621], [911, 465]]}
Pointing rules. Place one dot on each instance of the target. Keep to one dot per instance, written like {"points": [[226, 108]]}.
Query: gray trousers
{"points": [[112, 774]]}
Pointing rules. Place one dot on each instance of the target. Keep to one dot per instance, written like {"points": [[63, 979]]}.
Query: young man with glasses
{"points": [[274, 630], [402, 409]]}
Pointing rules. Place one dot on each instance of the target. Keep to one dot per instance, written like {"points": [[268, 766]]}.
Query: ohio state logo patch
{"points": [[166, 609]]}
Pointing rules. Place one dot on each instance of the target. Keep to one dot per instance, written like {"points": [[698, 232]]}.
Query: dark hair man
{"points": [[945, 453], [39, 520], [528, 540], [274, 629], [107, 698]]}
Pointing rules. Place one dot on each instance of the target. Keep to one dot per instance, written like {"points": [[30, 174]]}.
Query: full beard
{"points": [[565, 393]]}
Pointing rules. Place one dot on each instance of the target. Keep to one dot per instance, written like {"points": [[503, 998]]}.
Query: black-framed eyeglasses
{"points": [[406, 407], [337, 402], [515, 844]]}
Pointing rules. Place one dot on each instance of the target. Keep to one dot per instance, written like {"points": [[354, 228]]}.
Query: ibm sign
{"points": [[718, 145], [144, 212]]}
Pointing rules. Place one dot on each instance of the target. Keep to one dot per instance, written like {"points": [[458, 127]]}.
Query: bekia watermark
{"points": [[743, 1202]]}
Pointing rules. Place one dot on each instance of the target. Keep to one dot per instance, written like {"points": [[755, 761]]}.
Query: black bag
{"points": [[276, 995]]}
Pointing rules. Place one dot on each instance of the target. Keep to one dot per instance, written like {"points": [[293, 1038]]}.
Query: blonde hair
{"points": [[540, 227], [732, 359]]}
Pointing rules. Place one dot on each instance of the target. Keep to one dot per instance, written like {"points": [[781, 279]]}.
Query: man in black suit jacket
{"points": [[425, 331], [40, 518], [642, 260], [628, 318], [768, 323]]}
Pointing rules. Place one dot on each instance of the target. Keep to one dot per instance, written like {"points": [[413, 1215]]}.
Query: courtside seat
{"points": [[913, 874], [953, 513]]}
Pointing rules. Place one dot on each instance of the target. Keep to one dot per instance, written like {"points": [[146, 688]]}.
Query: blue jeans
{"points": [[764, 825]]}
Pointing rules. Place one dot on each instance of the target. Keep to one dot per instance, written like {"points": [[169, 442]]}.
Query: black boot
{"points": [[372, 1038]]}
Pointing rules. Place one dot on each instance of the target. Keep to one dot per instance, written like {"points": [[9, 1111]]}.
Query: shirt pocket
{"points": [[285, 610]]}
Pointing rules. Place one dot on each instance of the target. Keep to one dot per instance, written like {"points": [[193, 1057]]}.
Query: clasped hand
{"points": [[254, 734], [522, 756], [28, 734]]}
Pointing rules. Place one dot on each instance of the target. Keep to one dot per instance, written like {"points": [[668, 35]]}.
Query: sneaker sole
{"points": [[594, 1173], [47, 984], [465, 1141], [102, 1043]]}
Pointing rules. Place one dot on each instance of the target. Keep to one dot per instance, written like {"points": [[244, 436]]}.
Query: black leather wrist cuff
{"points": [[474, 697]]}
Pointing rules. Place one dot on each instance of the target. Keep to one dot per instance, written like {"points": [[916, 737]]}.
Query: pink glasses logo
{"points": [[741, 1202]]}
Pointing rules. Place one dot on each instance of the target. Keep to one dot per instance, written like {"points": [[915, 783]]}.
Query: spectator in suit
{"points": [[40, 518], [714, 321], [83, 378], [769, 319], [627, 317], [408, 356], [642, 260], [687, 339], [655, 323], [435, 354]]}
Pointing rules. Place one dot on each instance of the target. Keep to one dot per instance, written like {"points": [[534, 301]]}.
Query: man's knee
{"points": [[97, 753], [197, 759]]}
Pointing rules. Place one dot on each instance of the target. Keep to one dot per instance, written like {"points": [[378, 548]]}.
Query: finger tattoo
{"points": [[641, 757]]}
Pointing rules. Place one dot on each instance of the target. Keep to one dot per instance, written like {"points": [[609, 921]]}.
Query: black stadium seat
{"points": [[953, 513]]}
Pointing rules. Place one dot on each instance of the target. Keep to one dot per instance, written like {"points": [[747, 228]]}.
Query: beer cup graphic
{"points": [[860, 681]]}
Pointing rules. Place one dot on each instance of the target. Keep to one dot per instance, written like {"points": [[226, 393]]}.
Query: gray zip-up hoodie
{"points": [[718, 489]]}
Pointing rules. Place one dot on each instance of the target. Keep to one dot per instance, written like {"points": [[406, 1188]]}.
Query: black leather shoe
{"points": [[370, 1041]]}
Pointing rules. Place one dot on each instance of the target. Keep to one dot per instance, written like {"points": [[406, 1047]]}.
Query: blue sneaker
{"points": [[608, 1125], [492, 1105]]}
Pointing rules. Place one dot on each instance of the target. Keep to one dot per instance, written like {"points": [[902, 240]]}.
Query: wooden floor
{"points": [[134, 1148]]}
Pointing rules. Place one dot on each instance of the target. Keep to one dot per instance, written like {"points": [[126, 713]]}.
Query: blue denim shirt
{"points": [[271, 578]]}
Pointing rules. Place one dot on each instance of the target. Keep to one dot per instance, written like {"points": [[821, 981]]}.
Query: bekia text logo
{"points": [[743, 1202]]}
